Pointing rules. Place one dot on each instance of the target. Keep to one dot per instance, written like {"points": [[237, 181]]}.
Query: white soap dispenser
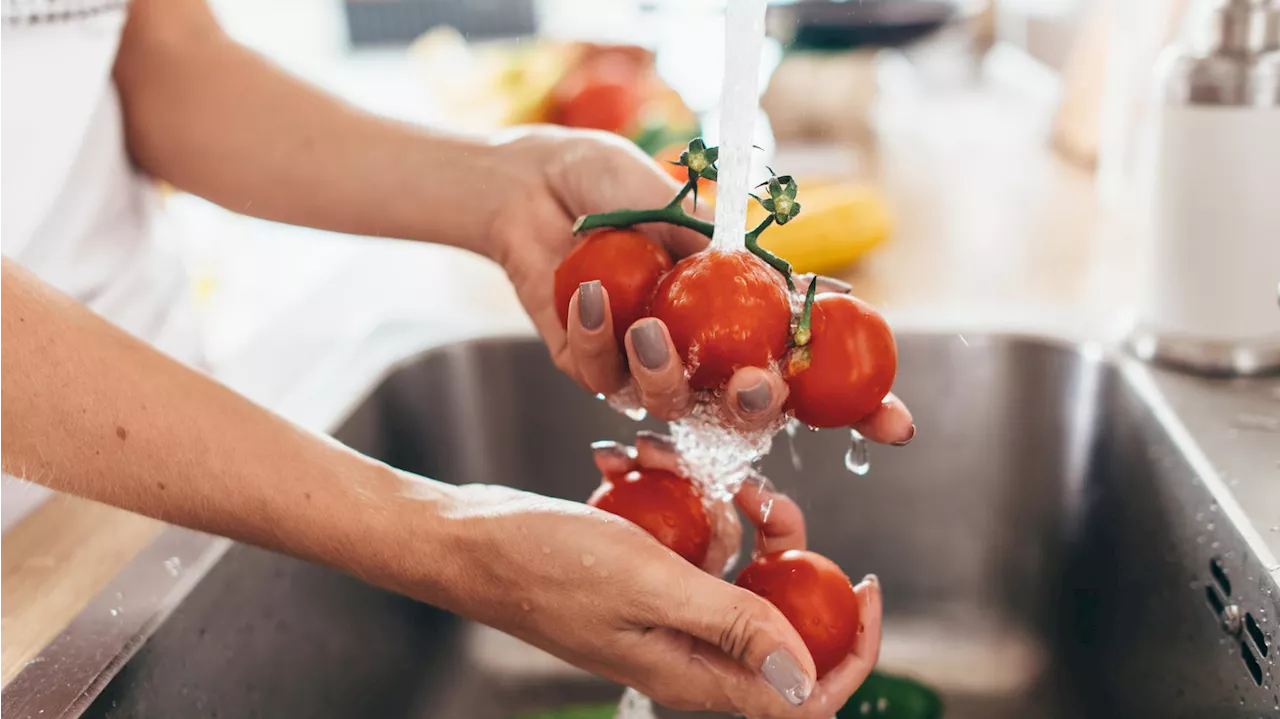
{"points": [[1212, 299]]}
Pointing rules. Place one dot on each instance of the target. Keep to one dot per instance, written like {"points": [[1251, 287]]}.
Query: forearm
{"points": [[217, 120], [91, 411]]}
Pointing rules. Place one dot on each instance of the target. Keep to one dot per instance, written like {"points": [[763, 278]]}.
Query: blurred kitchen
{"points": [[968, 166]]}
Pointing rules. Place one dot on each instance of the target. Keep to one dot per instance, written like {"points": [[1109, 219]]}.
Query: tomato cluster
{"points": [[665, 505], [814, 595]]}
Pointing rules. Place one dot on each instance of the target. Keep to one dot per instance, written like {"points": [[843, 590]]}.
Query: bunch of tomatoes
{"points": [[728, 309]]}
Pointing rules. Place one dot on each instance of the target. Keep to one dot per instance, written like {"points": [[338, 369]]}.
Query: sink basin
{"points": [[1062, 539]]}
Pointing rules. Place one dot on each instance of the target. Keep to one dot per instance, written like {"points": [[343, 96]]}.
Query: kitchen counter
{"points": [[992, 230]]}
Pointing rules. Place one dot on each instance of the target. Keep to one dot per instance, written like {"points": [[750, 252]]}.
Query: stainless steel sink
{"points": [[1067, 536]]}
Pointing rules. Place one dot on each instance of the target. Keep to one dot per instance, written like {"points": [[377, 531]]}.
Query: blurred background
{"points": [[959, 160]]}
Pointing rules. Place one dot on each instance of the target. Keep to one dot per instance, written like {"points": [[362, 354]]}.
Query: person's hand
{"points": [[600, 593], [569, 173]]}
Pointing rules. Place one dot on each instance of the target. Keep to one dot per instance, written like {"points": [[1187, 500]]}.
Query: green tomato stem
{"points": [[804, 332], [777, 263], [622, 219], [689, 185]]}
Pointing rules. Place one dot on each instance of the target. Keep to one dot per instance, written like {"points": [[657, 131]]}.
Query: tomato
{"points": [[853, 360], [606, 92], [814, 595], [725, 310], [665, 505], [628, 265]]}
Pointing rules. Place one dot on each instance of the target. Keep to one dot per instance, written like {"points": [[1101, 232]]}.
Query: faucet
{"points": [[1212, 302]]}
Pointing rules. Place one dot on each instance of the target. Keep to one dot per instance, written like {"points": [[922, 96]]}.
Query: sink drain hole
{"points": [[1255, 631], [1220, 576], [1215, 601], [1251, 663]]}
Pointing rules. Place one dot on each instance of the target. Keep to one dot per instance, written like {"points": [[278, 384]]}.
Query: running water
{"points": [[793, 428], [739, 102], [719, 458]]}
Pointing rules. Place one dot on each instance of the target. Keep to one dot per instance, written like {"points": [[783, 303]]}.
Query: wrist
{"points": [[472, 182]]}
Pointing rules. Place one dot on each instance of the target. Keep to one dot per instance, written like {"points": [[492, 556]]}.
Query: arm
{"points": [[89, 410], [215, 119]]}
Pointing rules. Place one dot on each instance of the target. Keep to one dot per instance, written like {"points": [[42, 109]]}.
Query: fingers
{"points": [[657, 451], [726, 538], [613, 458], [891, 423], [778, 520], [753, 397], [825, 284], [591, 340], [754, 642], [657, 370], [840, 683]]}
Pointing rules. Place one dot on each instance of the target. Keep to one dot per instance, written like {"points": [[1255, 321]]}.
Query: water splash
{"points": [[857, 459], [717, 456], [627, 401], [173, 566], [793, 428], [634, 705]]}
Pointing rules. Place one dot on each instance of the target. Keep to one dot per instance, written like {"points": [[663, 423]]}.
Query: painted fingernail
{"points": [[612, 449], [784, 674], [910, 435], [591, 305], [650, 437], [754, 399], [650, 344], [831, 284]]}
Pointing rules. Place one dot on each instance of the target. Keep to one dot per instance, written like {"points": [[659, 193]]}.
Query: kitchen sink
{"points": [[1072, 533]]}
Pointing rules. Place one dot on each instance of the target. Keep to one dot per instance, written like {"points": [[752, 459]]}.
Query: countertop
{"points": [[992, 230]]}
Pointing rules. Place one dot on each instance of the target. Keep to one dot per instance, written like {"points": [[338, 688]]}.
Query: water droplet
{"points": [[636, 414], [669, 520], [856, 460], [865, 708], [1209, 526], [588, 560], [600, 397], [546, 550], [882, 705], [1199, 516], [765, 508], [526, 606], [963, 341], [793, 426], [1213, 507], [119, 595], [1214, 545], [173, 566], [115, 612]]}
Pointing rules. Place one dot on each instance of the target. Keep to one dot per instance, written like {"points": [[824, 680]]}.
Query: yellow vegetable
{"points": [[837, 225]]}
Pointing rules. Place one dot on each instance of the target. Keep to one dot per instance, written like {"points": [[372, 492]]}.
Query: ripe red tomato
{"points": [[725, 310], [853, 360], [599, 101], [665, 505], [628, 265], [814, 595]]}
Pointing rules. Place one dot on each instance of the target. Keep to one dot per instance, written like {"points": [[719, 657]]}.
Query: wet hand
{"points": [[572, 173], [602, 594]]}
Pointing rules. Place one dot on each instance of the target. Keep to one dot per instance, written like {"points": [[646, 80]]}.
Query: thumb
{"points": [[751, 632]]}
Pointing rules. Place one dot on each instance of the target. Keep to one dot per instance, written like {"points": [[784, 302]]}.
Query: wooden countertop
{"points": [[987, 218]]}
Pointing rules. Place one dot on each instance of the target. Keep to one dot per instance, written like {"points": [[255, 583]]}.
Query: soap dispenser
{"points": [[1212, 298]]}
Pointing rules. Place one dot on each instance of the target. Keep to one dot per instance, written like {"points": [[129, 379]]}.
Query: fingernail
{"points": [[754, 399], [910, 435], [834, 285], [651, 437], [610, 447], [591, 305], [784, 674], [872, 579], [650, 344]]}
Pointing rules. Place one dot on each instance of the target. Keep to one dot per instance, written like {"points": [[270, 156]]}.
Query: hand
{"points": [[569, 173], [599, 592]]}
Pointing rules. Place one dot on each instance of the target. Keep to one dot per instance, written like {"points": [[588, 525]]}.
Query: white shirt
{"points": [[75, 211]]}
